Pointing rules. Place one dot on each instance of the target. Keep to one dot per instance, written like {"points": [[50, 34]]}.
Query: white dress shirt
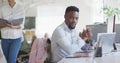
{"points": [[8, 13], [65, 42]]}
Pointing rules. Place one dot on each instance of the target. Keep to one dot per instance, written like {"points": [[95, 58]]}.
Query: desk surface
{"points": [[113, 57]]}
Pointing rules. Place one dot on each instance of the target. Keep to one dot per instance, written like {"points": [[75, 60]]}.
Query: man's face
{"points": [[71, 19]]}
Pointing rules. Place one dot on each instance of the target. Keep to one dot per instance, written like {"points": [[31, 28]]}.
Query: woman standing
{"points": [[11, 34]]}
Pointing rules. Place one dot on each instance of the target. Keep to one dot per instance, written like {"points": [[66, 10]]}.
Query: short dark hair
{"points": [[71, 8]]}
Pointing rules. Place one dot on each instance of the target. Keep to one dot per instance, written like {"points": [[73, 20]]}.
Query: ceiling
{"points": [[114, 3], [86, 3], [46, 2]]}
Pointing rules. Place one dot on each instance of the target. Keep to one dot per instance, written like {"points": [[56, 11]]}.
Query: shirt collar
{"points": [[66, 27], [13, 6]]}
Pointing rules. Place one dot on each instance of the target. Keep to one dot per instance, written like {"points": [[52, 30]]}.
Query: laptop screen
{"points": [[106, 41]]}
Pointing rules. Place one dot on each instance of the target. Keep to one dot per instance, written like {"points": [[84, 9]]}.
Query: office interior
{"points": [[43, 16]]}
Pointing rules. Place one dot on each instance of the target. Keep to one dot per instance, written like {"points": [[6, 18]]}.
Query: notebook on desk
{"points": [[106, 40]]}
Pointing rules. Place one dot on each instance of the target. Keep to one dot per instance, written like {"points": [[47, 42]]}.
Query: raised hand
{"points": [[86, 34]]}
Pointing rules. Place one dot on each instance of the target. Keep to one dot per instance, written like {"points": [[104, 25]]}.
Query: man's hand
{"points": [[86, 34], [83, 35]]}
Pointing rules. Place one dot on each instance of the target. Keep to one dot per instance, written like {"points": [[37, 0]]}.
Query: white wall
{"points": [[48, 18], [85, 17], [31, 11]]}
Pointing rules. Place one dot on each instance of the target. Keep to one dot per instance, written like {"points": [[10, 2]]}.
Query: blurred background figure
{"points": [[11, 33]]}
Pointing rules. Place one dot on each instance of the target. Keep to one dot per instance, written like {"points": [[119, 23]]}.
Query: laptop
{"points": [[105, 41]]}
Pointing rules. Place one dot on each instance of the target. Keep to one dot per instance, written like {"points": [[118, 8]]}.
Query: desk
{"points": [[109, 58], [113, 57]]}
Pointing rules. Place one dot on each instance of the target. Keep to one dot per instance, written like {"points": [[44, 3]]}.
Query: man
{"points": [[64, 40], [11, 34]]}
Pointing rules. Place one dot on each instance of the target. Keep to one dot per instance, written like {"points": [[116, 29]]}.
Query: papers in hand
{"points": [[13, 22], [17, 21], [2, 21]]}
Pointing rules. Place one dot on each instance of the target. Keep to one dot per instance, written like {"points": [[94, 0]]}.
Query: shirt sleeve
{"points": [[80, 41], [84, 46]]}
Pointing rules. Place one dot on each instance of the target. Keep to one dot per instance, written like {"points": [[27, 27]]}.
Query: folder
{"points": [[13, 22]]}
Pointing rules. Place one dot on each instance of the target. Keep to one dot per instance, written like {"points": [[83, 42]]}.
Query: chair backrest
{"points": [[38, 51], [48, 48]]}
